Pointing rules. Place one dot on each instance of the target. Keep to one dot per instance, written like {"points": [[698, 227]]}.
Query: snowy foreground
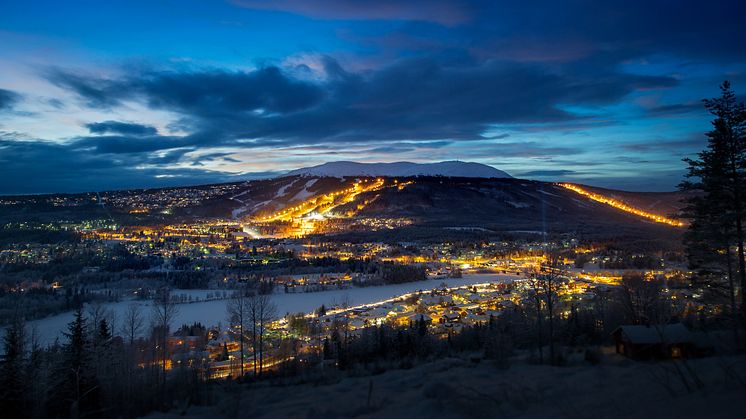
{"points": [[211, 313], [461, 388]]}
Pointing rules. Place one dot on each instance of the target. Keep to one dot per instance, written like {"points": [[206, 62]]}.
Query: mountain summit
{"points": [[401, 169]]}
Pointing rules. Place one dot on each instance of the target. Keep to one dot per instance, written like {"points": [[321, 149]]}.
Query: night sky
{"points": [[98, 95]]}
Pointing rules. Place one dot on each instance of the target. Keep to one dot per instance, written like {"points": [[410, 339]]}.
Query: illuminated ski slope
{"points": [[621, 205]]}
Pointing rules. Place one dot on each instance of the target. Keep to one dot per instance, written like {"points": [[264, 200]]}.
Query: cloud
{"points": [[8, 99], [439, 11], [116, 127], [682, 146], [524, 149], [208, 93], [547, 173], [676, 109], [121, 144], [211, 157], [420, 99], [36, 166], [96, 91]]}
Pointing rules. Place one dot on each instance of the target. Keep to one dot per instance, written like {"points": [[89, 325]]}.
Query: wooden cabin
{"points": [[654, 341]]}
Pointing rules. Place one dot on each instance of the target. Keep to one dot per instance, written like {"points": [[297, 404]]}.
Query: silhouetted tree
{"points": [[78, 387], [13, 382], [239, 314], [132, 323], [718, 175], [263, 311], [164, 312]]}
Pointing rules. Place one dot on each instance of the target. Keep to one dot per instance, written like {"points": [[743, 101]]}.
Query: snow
{"points": [[547, 193], [401, 169], [517, 204], [210, 313], [235, 197], [283, 190], [237, 212], [582, 204], [305, 193], [467, 228]]}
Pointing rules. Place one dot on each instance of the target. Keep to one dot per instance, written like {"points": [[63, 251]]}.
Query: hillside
{"points": [[430, 207]]}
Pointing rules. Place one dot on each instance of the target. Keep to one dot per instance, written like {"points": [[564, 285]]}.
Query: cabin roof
{"points": [[643, 334]]}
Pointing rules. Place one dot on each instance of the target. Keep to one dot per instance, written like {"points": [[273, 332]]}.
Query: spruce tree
{"points": [[13, 383], [77, 384], [718, 177]]}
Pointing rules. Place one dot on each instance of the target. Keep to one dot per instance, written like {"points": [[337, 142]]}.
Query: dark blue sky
{"points": [[100, 95]]}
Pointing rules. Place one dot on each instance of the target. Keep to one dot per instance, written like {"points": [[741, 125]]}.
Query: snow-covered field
{"points": [[213, 312]]}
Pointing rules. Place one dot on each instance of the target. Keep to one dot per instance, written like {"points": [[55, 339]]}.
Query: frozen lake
{"points": [[211, 313]]}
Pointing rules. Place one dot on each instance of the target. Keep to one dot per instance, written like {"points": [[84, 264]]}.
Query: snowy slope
{"points": [[401, 169]]}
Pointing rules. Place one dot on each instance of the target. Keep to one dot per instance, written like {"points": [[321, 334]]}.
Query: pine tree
{"points": [[13, 383], [718, 176], [102, 353], [104, 334], [77, 387]]}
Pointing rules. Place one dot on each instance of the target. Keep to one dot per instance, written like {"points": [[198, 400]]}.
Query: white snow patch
{"points": [[235, 197], [283, 190], [305, 193]]}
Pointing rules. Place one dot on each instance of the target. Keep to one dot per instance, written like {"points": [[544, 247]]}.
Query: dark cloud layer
{"points": [[8, 98], [63, 168], [117, 127], [413, 99], [548, 173], [546, 29], [440, 11]]}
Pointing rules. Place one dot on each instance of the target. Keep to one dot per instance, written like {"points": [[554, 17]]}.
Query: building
{"points": [[656, 341]]}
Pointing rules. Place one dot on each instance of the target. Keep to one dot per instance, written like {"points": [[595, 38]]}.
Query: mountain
{"points": [[401, 169], [437, 207], [401, 208]]}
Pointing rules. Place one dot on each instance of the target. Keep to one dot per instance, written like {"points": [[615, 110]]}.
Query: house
{"points": [[358, 323], [654, 341], [474, 318], [450, 317], [414, 318]]}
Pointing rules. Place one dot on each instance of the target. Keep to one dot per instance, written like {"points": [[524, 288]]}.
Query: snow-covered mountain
{"points": [[401, 169]]}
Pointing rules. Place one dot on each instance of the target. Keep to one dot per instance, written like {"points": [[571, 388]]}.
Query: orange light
{"points": [[621, 205]]}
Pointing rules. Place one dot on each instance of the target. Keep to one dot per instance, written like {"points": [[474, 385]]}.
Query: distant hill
{"points": [[439, 207], [401, 169]]}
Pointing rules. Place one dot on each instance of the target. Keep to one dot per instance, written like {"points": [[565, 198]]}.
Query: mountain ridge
{"points": [[452, 168]]}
